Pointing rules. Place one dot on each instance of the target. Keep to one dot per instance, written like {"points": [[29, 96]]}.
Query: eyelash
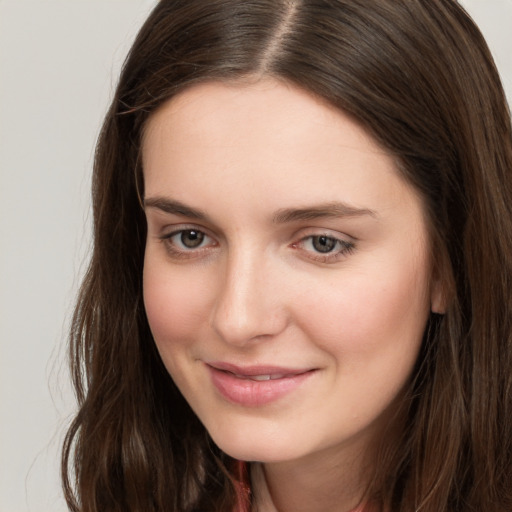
{"points": [[345, 247]]}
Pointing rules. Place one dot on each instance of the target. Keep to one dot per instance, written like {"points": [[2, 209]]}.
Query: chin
{"points": [[258, 444], [265, 454]]}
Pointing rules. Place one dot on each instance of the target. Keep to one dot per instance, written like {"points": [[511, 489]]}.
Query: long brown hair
{"points": [[419, 77]]}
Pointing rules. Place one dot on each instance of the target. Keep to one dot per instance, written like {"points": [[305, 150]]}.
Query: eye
{"points": [[189, 238], [187, 242], [325, 248], [323, 244]]}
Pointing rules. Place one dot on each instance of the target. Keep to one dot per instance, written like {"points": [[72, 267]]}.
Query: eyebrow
{"points": [[327, 210], [174, 207], [282, 216]]}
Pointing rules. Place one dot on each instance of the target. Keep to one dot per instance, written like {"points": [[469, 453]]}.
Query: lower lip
{"points": [[252, 393]]}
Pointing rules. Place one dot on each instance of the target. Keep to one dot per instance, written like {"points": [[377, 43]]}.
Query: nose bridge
{"points": [[247, 305]]}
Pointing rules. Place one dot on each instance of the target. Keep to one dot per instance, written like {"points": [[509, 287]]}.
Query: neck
{"points": [[321, 485], [331, 480]]}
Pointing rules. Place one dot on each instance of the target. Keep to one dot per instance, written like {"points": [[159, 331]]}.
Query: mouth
{"points": [[260, 378], [254, 386]]}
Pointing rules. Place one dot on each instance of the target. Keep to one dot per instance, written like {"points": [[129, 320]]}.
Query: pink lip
{"points": [[241, 385]]}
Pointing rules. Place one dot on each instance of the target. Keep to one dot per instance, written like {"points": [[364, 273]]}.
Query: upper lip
{"points": [[255, 370]]}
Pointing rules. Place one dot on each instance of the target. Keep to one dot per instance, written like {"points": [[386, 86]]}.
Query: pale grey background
{"points": [[59, 60]]}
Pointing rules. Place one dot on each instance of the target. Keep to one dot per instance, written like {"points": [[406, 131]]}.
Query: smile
{"points": [[261, 377], [255, 386]]}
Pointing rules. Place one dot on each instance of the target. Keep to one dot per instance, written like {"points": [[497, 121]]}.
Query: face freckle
{"points": [[286, 277]]}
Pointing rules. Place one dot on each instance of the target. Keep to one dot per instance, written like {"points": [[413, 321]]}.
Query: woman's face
{"points": [[286, 277]]}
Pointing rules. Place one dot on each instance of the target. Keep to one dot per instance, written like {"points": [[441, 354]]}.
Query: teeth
{"points": [[261, 378], [267, 377]]}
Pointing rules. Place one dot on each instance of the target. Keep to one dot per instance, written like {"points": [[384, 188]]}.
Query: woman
{"points": [[300, 291]]}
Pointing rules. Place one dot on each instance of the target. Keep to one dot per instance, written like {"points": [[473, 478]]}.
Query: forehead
{"points": [[244, 140], [269, 102]]}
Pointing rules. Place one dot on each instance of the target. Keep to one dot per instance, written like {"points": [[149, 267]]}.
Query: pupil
{"points": [[191, 238], [323, 243]]}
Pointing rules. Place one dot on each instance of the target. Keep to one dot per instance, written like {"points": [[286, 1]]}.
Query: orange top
{"points": [[243, 488]]}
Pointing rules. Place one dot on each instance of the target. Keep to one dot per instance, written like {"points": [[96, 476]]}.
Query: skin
{"points": [[257, 291]]}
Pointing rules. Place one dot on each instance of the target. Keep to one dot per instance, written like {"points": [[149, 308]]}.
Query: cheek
{"points": [[174, 306], [371, 315], [372, 330]]}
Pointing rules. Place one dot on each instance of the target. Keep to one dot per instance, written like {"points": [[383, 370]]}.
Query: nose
{"points": [[249, 305]]}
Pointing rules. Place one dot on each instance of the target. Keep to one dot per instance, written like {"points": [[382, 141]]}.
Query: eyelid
{"points": [[169, 229]]}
